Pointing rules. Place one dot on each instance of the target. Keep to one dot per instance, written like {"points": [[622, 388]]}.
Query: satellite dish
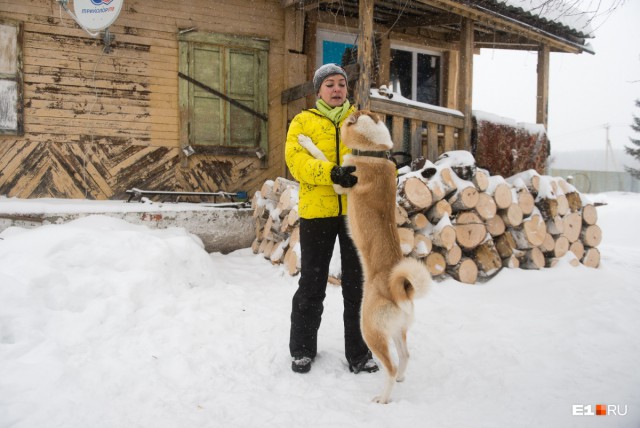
{"points": [[96, 15]]}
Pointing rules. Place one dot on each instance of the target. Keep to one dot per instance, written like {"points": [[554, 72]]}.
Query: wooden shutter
{"points": [[237, 68]]}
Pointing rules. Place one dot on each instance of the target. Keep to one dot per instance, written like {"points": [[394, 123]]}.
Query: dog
{"points": [[391, 281]]}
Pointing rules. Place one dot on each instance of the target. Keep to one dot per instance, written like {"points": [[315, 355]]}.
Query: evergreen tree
{"points": [[635, 152]]}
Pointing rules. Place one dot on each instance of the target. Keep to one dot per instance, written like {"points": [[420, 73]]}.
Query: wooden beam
{"points": [[365, 53], [305, 89], [465, 82], [504, 23], [542, 104]]}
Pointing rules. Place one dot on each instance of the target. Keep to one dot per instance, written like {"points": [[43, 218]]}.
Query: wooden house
{"points": [[195, 95]]}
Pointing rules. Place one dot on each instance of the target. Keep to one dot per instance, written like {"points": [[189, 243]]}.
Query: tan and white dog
{"points": [[391, 281]]}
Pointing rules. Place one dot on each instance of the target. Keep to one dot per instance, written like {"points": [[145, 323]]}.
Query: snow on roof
{"points": [[556, 11]]}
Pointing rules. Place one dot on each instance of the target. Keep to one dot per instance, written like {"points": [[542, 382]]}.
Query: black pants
{"points": [[317, 239]]}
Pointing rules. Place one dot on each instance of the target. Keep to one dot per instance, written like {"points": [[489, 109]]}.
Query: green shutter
{"points": [[207, 111], [236, 67]]}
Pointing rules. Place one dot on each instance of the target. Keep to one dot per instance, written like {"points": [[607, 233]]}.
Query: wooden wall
{"points": [[99, 123]]}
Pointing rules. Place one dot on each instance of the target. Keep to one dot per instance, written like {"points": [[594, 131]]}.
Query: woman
{"points": [[322, 219]]}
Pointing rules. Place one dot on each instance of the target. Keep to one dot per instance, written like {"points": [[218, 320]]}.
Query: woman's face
{"points": [[333, 90]]}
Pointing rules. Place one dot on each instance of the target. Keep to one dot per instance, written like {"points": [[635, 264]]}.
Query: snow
{"points": [[109, 324], [563, 12]]}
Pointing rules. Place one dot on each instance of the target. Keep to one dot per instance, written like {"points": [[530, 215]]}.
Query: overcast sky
{"points": [[585, 91]]}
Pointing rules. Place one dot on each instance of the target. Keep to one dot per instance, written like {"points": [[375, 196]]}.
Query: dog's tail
{"points": [[409, 279]]}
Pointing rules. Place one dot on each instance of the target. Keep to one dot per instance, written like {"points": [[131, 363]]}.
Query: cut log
{"points": [[589, 214], [445, 178], [443, 234], [402, 218], [422, 246], [563, 205], [560, 247], [438, 210], [495, 226], [511, 262], [548, 207], [486, 206], [575, 201], [418, 221], [451, 256], [505, 244], [591, 258], [512, 215], [591, 236], [470, 230], [555, 225], [487, 258], [294, 238], [277, 254], [414, 195], [532, 259], [466, 271], [406, 240], [267, 191], [525, 200], [549, 244], [435, 263], [530, 234], [255, 245], [290, 221], [481, 179], [268, 249], [577, 248], [464, 199], [280, 184], [572, 226], [530, 178], [500, 191], [437, 190], [292, 260]]}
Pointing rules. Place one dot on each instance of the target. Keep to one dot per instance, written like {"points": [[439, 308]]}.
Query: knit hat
{"points": [[325, 71]]}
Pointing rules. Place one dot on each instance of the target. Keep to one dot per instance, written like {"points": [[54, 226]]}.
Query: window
{"points": [[11, 98], [416, 74], [334, 47], [223, 99]]}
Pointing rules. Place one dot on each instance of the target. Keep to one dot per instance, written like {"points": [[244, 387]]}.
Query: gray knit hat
{"points": [[325, 71]]}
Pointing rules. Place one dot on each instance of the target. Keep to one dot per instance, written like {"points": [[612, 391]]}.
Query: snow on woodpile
{"points": [[459, 219], [505, 147]]}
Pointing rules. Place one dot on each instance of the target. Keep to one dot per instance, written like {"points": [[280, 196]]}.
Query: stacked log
{"points": [[467, 226]]}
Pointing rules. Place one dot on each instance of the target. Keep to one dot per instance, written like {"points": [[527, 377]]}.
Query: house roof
{"points": [[500, 24]]}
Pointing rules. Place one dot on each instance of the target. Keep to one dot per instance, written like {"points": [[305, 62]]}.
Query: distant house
{"points": [[596, 171], [196, 95]]}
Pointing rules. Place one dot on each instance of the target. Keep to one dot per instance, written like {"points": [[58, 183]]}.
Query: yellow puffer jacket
{"points": [[317, 199]]}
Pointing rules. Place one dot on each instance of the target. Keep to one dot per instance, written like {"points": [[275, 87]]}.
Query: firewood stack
{"points": [[458, 219]]}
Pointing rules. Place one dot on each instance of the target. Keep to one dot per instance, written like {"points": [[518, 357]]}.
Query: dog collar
{"points": [[376, 154]]}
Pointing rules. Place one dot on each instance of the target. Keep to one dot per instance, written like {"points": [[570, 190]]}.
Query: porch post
{"points": [[542, 112], [465, 82], [365, 56]]}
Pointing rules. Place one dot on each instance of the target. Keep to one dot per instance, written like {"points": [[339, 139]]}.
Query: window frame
{"points": [[414, 69], [227, 43], [331, 36], [16, 76]]}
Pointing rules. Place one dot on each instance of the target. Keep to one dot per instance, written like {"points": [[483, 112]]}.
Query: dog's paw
{"points": [[400, 379], [340, 190], [303, 139], [381, 400]]}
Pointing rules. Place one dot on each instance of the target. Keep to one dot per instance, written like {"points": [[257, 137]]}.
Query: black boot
{"points": [[366, 364]]}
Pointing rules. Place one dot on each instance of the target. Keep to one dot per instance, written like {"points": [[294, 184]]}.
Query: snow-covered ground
{"points": [[108, 324]]}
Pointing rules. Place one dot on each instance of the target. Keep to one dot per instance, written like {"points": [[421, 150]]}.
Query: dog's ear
{"points": [[353, 118]]}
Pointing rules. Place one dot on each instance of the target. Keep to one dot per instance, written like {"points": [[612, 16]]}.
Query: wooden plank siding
{"points": [[99, 123]]}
